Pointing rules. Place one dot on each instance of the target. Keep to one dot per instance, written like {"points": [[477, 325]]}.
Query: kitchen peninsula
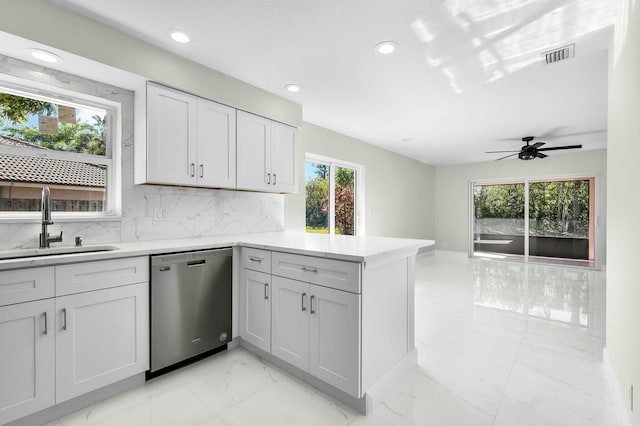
{"points": [[336, 311]]}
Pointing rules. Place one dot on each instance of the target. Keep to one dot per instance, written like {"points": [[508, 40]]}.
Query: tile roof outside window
{"points": [[17, 168]]}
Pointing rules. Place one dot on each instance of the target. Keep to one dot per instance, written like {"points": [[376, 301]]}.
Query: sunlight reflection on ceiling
{"points": [[481, 41]]}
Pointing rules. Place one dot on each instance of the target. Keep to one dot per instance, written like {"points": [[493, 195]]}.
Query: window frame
{"points": [[112, 158], [358, 187]]}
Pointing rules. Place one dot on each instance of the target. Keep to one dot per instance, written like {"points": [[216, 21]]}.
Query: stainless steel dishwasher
{"points": [[190, 305]]}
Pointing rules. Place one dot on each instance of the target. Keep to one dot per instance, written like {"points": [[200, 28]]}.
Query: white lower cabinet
{"points": [[89, 329], [255, 312], [317, 329], [27, 359], [290, 322], [334, 338], [100, 338]]}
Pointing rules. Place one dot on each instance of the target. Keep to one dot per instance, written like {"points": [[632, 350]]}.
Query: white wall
{"points": [[398, 190], [623, 285], [452, 188]]}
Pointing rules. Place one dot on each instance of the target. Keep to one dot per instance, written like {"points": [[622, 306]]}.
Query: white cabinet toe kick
{"points": [[343, 327]]}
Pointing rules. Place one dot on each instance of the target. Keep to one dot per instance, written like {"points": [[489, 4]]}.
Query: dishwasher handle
{"points": [[196, 263]]}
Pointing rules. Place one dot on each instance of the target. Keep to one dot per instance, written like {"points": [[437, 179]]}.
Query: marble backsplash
{"points": [[189, 212]]}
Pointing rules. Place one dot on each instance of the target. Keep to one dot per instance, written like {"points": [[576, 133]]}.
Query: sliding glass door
{"points": [[560, 220], [499, 226], [539, 220]]}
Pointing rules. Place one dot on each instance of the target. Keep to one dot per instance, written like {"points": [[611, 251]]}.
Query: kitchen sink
{"points": [[53, 251]]}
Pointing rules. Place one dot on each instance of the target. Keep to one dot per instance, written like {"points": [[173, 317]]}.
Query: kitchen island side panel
{"points": [[385, 318]]}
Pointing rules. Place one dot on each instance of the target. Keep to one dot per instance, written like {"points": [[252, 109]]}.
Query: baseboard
{"points": [[619, 404], [452, 253]]}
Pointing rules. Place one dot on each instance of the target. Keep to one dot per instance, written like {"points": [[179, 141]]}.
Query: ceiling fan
{"points": [[530, 152]]}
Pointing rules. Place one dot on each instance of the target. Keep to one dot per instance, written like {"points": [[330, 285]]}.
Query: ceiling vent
{"points": [[560, 54]]}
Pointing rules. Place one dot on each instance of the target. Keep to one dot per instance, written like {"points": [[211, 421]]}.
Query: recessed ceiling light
{"points": [[44, 55], [386, 47], [293, 88], [180, 36]]}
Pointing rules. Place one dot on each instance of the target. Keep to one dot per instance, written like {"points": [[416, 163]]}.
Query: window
{"points": [[547, 220], [333, 196], [63, 140]]}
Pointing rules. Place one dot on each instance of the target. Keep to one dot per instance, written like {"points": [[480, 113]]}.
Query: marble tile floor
{"points": [[500, 343]]}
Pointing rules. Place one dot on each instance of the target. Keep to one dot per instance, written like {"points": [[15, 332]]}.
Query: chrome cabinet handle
{"points": [[64, 319], [305, 269], [274, 178], [201, 170], [255, 259], [266, 291], [312, 311], [268, 178], [46, 328], [193, 169], [304, 308]]}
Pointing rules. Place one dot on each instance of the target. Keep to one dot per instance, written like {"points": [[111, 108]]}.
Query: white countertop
{"points": [[355, 249]]}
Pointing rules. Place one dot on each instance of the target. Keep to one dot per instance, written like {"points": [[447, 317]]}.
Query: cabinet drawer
{"points": [[88, 276], [336, 274], [256, 260], [23, 285]]}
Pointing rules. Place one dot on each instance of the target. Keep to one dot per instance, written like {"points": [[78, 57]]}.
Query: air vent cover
{"points": [[560, 54]]}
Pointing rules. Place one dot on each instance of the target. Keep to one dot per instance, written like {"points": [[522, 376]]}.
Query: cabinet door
{"points": [[255, 308], [253, 148], [283, 157], [334, 338], [27, 359], [102, 337], [290, 321], [216, 165], [171, 136]]}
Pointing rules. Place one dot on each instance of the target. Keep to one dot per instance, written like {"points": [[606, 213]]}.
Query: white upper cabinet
{"points": [[254, 145], [216, 165], [190, 141], [266, 155], [171, 136], [283, 157]]}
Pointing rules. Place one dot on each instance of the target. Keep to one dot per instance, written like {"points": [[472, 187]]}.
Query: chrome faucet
{"points": [[45, 239]]}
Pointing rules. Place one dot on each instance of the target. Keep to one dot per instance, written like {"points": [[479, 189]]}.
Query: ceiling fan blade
{"points": [[538, 144], [555, 148], [497, 152], [502, 158], [566, 135], [541, 155], [551, 133]]}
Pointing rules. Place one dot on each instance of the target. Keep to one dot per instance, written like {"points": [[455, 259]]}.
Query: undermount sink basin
{"points": [[53, 251]]}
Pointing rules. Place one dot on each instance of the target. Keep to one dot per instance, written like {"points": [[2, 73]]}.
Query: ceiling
{"points": [[467, 77]]}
